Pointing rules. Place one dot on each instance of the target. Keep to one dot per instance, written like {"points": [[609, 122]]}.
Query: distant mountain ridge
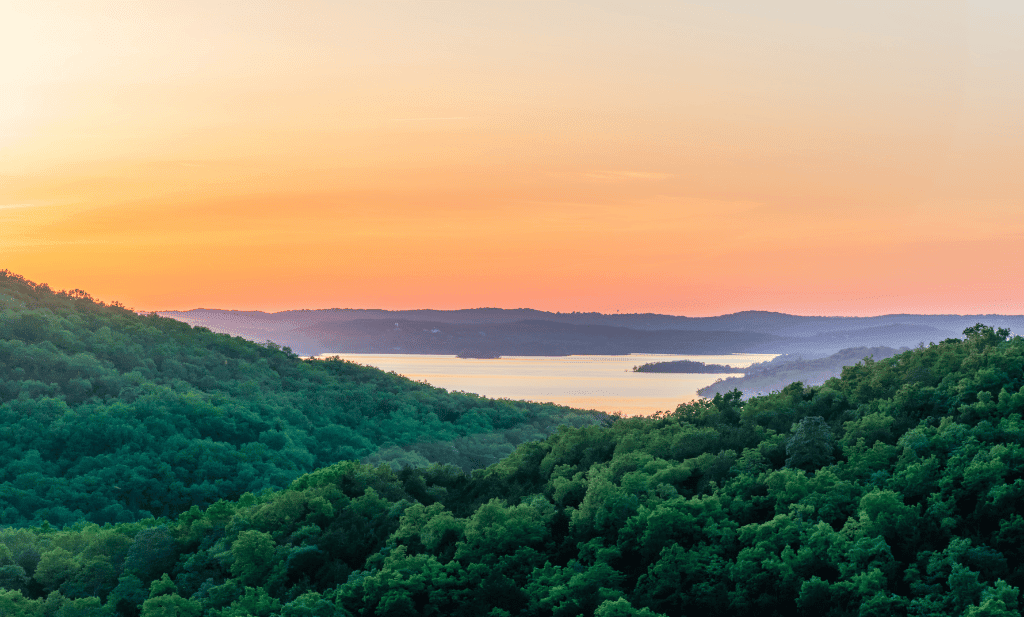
{"points": [[490, 331]]}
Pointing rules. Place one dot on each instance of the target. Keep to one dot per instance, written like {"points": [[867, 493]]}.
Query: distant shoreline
{"points": [[495, 333]]}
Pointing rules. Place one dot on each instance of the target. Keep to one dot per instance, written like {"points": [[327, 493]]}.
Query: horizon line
{"points": [[616, 314]]}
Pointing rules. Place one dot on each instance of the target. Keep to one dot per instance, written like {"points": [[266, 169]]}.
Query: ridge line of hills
{"points": [[111, 416], [492, 332]]}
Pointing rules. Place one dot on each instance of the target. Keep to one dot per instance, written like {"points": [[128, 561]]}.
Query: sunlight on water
{"points": [[606, 383]]}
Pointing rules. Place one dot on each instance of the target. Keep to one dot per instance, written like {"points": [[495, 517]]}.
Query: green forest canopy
{"points": [[896, 489], [110, 416]]}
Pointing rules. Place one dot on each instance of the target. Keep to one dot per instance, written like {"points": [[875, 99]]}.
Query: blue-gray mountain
{"points": [[490, 331]]}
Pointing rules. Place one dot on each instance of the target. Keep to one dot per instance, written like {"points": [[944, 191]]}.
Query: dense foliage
{"points": [[779, 372], [896, 489], [110, 416]]}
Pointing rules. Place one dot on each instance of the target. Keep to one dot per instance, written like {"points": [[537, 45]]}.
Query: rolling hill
{"points": [[111, 416]]}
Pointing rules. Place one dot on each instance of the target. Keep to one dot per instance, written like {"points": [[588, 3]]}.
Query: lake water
{"points": [[606, 383]]}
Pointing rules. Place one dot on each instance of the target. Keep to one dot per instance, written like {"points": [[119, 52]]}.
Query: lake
{"points": [[605, 383]]}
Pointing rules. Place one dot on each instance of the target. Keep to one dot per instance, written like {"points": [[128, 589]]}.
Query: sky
{"points": [[689, 158]]}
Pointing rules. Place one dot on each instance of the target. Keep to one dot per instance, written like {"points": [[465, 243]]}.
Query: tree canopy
{"points": [[111, 416], [710, 509]]}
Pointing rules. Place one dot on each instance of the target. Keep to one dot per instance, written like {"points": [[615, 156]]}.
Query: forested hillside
{"points": [[776, 374], [110, 416], [896, 489]]}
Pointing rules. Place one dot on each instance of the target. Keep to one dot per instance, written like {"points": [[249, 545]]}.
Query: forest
{"points": [[893, 489], [110, 416]]}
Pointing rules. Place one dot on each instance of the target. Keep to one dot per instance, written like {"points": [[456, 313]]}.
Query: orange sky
{"points": [[693, 158]]}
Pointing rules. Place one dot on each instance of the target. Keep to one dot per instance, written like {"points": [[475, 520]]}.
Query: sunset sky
{"points": [[694, 158]]}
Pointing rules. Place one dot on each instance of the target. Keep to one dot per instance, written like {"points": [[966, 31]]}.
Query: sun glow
{"points": [[695, 159]]}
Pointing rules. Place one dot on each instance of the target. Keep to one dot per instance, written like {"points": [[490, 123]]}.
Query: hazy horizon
{"points": [[523, 308]]}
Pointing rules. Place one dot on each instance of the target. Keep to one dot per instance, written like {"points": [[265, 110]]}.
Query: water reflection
{"points": [[607, 383]]}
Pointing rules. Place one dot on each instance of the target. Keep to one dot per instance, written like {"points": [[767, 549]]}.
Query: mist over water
{"points": [[605, 383]]}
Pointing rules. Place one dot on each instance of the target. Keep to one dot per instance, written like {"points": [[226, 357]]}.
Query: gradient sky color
{"points": [[697, 158]]}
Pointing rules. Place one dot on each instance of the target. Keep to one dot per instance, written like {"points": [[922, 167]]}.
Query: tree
{"points": [[55, 567], [983, 336], [254, 552], [622, 608], [811, 445]]}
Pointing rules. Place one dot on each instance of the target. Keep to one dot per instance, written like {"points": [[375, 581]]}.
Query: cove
{"points": [[605, 383]]}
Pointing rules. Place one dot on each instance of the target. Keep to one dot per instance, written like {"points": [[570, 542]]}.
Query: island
{"points": [[684, 366]]}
